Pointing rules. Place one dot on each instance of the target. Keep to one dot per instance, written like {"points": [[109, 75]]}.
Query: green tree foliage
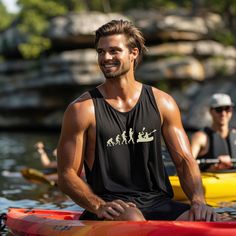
{"points": [[73, 5], [227, 9], [5, 17], [34, 19], [35, 15]]}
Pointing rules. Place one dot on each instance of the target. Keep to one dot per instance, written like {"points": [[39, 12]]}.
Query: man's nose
{"points": [[224, 112], [107, 56]]}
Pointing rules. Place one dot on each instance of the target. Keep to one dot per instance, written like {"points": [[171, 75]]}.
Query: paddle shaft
{"points": [[212, 161]]}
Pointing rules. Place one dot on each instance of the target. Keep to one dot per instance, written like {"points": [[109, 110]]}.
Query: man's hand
{"points": [[202, 212], [112, 210], [39, 145], [225, 162]]}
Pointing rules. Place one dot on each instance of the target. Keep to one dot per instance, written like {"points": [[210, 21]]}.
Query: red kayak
{"points": [[32, 222]]}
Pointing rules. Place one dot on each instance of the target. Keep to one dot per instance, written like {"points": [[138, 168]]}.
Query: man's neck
{"points": [[222, 130], [121, 94], [120, 87]]}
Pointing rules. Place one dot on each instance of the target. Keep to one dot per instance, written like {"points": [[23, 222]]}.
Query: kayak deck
{"points": [[59, 222]]}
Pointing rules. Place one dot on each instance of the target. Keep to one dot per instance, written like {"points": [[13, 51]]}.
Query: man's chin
{"points": [[115, 75], [111, 76]]}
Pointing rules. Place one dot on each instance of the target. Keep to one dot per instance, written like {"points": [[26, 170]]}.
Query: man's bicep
{"points": [[71, 143], [174, 134]]}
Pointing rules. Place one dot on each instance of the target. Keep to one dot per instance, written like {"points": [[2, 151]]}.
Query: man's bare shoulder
{"points": [[83, 98], [84, 101], [199, 136], [199, 143], [200, 133], [164, 100], [81, 109]]}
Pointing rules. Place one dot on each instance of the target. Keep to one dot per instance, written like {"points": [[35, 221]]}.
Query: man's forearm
{"points": [[79, 192], [191, 181]]}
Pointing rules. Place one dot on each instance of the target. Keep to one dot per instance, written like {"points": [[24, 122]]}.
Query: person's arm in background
{"points": [[179, 147], [198, 144], [46, 162]]}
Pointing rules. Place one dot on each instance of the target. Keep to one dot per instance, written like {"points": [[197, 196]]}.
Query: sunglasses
{"points": [[221, 109]]}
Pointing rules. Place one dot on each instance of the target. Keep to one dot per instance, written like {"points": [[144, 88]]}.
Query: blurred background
{"points": [[47, 60], [47, 57]]}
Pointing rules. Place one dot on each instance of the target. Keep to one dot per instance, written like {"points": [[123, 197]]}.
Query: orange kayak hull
{"points": [[32, 222]]}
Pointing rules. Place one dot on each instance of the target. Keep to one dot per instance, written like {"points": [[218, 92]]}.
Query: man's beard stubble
{"points": [[117, 74]]}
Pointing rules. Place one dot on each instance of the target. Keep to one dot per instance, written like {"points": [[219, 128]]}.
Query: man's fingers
{"points": [[123, 204], [118, 206], [131, 204], [196, 210], [112, 211], [191, 216], [210, 215], [108, 212], [107, 216], [202, 212]]}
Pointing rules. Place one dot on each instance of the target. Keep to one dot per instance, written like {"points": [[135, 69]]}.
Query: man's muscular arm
{"points": [[187, 168], [71, 150]]}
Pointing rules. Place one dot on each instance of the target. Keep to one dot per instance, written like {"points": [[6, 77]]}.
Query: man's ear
{"points": [[135, 53]]}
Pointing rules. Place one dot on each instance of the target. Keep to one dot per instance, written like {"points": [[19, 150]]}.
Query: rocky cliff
{"points": [[184, 56]]}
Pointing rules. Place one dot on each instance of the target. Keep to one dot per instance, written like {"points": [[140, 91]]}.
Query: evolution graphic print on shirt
{"points": [[122, 139]]}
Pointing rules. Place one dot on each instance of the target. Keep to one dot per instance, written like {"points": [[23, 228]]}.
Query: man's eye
{"points": [[113, 51]]}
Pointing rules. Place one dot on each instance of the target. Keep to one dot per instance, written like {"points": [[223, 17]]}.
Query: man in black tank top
{"points": [[218, 142], [115, 130]]}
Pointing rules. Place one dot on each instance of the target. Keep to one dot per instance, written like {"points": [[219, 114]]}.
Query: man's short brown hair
{"points": [[134, 36]]}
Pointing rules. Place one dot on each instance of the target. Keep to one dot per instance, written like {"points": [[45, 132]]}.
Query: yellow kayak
{"points": [[217, 186]]}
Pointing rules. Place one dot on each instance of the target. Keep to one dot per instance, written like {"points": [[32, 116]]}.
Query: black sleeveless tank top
{"points": [[128, 161], [219, 146]]}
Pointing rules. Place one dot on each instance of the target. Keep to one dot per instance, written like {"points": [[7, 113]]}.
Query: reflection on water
{"points": [[16, 152]]}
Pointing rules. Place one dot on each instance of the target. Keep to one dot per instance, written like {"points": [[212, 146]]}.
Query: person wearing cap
{"points": [[219, 140]]}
